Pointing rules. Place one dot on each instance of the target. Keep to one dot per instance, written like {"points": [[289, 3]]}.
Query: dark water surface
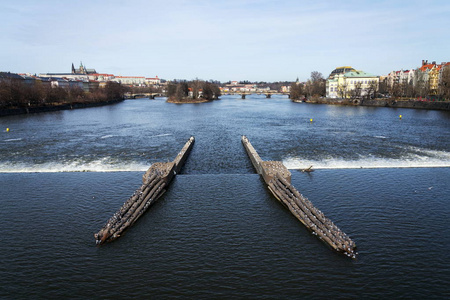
{"points": [[217, 232]]}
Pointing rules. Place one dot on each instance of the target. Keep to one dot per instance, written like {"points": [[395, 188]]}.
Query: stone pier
{"points": [[278, 180], [154, 183]]}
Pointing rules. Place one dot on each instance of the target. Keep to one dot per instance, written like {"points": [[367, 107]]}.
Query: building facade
{"points": [[351, 84]]}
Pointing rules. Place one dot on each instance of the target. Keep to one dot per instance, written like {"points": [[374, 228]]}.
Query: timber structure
{"points": [[278, 180], [154, 183]]}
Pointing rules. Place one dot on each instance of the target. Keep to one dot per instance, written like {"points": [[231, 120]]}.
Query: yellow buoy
{"points": [[310, 120], [400, 116], [7, 129]]}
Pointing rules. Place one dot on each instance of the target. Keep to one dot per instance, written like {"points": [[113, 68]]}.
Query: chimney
{"points": [[433, 62]]}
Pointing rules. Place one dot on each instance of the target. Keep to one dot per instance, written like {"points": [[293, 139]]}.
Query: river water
{"points": [[217, 232]]}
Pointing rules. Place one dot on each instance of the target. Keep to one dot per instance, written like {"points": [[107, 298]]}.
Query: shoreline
{"points": [[188, 101], [391, 102], [49, 108]]}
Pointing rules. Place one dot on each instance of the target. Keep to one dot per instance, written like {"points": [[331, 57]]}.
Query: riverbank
{"points": [[391, 102], [53, 107]]}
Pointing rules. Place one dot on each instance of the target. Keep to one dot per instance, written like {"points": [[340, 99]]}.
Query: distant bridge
{"points": [[267, 93], [142, 95], [243, 94]]}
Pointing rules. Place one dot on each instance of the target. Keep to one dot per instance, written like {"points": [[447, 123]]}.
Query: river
{"points": [[217, 232]]}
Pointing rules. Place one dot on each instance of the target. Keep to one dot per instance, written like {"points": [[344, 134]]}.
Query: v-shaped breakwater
{"points": [[278, 180], [155, 182]]}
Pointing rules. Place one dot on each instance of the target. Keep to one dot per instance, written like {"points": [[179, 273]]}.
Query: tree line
{"points": [[194, 90], [314, 87], [18, 93]]}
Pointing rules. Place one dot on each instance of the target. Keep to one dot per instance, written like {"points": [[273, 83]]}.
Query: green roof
{"points": [[357, 74]]}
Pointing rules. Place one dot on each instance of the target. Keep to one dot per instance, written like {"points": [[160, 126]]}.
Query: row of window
{"points": [[356, 81]]}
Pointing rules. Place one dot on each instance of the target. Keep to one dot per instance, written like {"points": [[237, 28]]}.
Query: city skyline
{"points": [[232, 40]]}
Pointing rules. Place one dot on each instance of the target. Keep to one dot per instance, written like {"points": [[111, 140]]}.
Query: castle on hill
{"points": [[82, 70]]}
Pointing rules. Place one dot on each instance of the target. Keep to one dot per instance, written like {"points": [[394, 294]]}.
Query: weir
{"points": [[154, 184], [278, 180]]}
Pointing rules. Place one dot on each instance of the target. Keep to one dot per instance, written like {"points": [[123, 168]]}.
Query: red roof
{"points": [[426, 67]]}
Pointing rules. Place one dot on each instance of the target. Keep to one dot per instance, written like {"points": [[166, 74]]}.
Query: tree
{"points": [[171, 90], [196, 85], [114, 90], [372, 90], [297, 91], [342, 90], [315, 86], [357, 91], [5, 94], [182, 91], [444, 84], [422, 85]]}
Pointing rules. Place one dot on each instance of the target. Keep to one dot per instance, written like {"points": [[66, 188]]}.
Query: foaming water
{"points": [[414, 158], [100, 165], [13, 140]]}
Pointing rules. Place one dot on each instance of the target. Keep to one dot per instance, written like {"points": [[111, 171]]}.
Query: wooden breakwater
{"points": [[278, 179], [154, 183]]}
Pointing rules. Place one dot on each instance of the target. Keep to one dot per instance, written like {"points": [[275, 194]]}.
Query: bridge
{"points": [[267, 93], [243, 94], [142, 95]]}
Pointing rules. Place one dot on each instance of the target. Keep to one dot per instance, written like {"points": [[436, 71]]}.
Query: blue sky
{"points": [[222, 40]]}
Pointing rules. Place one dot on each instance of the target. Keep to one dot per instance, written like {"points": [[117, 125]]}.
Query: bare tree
{"points": [[444, 84], [372, 90], [316, 84], [422, 85], [357, 91], [196, 85], [342, 90], [297, 91]]}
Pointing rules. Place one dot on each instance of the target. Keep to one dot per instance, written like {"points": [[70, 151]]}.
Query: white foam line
{"points": [[107, 136], [159, 135], [365, 164], [416, 158], [72, 167]]}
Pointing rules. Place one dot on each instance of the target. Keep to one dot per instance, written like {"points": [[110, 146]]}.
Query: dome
{"points": [[341, 70]]}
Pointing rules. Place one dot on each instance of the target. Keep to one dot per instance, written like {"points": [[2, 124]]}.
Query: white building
{"points": [[130, 80], [153, 81], [353, 84]]}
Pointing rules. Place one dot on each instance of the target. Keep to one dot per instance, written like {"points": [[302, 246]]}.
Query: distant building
{"points": [[76, 74], [153, 81], [401, 77], [351, 84], [82, 70], [130, 80], [431, 74], [101, 77], [93, 79]]}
